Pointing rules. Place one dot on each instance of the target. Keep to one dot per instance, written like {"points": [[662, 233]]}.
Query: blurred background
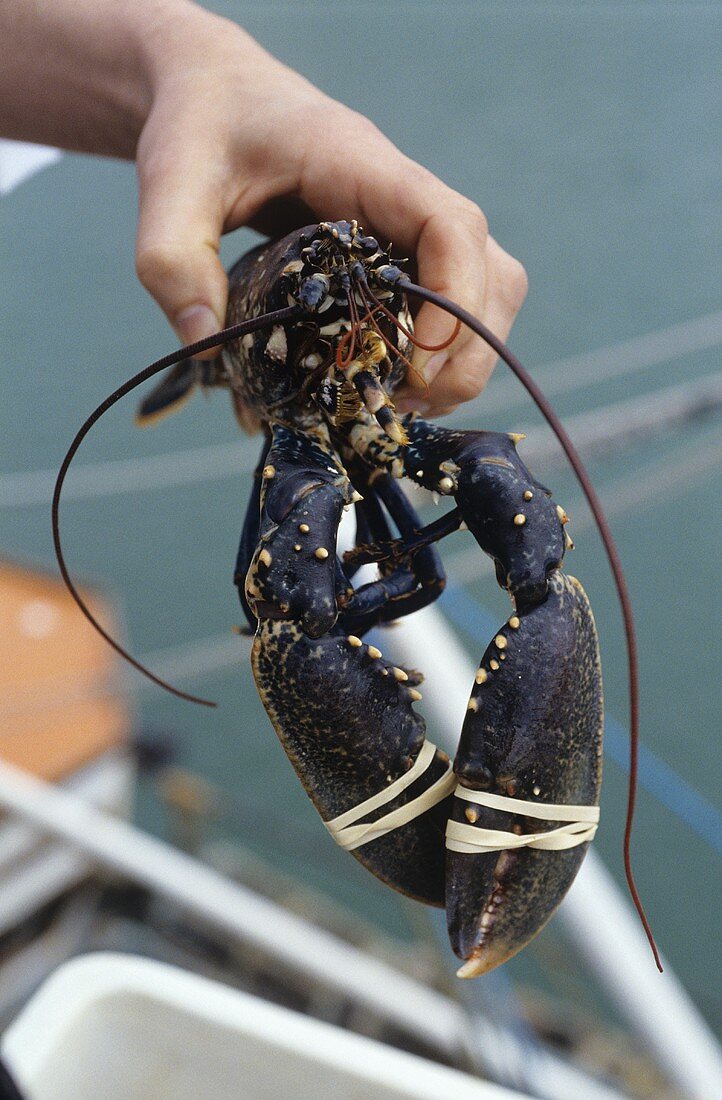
{"points": [[588, 133]]}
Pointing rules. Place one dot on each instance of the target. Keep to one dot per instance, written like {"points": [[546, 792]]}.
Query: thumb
{"points": [[179, 229]]}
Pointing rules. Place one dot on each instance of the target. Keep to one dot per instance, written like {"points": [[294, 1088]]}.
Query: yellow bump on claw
{"points": [[471, 815], [415, 695], [500, 641], [482, 676], [399, 674], [528, 494], [373, 652], [304, 528], [568, 541], [269, 471], [493, 665], [321, 553], [564, 518], [520, 519], [264, 557], [472, 705], [356, 497], [516, 437], [353, 641], [514, 622], [446, 485]]}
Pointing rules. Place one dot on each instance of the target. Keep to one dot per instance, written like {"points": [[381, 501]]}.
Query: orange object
{"points": [[60, 705]]}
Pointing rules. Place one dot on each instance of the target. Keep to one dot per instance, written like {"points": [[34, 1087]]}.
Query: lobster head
{"points": [[330, 260]]}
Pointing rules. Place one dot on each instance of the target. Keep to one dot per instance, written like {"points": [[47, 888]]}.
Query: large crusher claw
{"points": [[529, 760], [532, 734]]}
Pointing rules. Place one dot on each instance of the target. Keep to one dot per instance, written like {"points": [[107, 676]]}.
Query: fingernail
{"points": [[195, 323]]}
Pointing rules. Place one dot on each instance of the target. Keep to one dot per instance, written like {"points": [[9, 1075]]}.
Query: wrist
{"points": [[176, 37], [86, 89]]}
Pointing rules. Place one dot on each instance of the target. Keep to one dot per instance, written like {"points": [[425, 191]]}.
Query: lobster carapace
{"points": [[321, 336]]}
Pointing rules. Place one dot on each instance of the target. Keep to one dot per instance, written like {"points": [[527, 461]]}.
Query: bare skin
{"points": [[224, 135]]}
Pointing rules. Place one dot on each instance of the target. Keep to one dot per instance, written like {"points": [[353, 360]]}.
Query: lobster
{"points": [[320, 336]]}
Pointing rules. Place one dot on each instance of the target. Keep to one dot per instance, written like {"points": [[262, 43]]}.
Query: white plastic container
{"points": [[116, 1027]]}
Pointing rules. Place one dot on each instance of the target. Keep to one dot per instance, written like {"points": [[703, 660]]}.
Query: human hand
{"points": [[233, 137]]}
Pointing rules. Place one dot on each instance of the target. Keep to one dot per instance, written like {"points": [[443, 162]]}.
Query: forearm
{"points": [[81, 74]]}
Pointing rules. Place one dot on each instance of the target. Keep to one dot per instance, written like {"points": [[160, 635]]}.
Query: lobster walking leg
{"points": [[344, 716], [413, 583]]}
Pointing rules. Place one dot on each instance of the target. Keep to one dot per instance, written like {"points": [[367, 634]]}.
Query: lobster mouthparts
{"points": [[532, 734]]}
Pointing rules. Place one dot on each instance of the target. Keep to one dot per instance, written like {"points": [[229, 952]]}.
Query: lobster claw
{"points": [[347, 723], [532, 734], [345, 716]]}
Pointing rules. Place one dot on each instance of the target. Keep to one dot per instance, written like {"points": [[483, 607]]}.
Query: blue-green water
{"points": [[586, 132]]}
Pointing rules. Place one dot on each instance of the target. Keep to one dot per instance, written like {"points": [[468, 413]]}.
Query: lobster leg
{"points": [[416, 581], [533, 732], [177, 385], [344, 716], [533, 729]]}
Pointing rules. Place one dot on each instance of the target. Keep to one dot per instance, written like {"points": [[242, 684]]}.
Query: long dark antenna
{"points": [[290, 313], [612, 554]]}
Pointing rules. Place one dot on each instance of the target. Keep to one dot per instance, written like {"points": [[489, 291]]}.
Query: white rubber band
{"points": [[582, 823], [350, 835], [546, 811]]}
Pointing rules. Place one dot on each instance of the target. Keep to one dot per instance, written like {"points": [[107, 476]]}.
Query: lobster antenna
{"points": [[402, 328], [223, 337], [612, 554]]}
